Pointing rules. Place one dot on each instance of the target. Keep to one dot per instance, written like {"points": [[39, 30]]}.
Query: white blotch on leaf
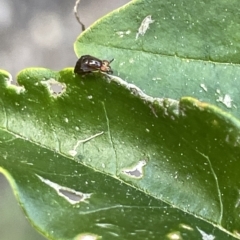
{"points": [[87, 236], [144, 26], [174, 236], [226, 100], [206, 236], [69, 194], [203, 86]]}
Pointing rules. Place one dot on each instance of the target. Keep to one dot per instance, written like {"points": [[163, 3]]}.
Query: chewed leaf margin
{"points": [[184, 120]]}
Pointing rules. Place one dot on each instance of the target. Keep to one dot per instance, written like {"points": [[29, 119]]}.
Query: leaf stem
{"points": [[75, 10]]}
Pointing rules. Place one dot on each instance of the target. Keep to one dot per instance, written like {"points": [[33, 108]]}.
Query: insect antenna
{"points": [[75, 9], [111, 60]]}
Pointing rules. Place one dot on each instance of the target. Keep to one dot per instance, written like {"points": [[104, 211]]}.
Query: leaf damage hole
{"points": [[73, 151], [13, 85], [54, 87], [87, 236], [144, 26], [69, 194], [150, 101], [136, 171]]}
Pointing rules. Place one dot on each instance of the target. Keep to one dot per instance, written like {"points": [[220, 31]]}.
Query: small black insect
{"points": [[88, 64]]}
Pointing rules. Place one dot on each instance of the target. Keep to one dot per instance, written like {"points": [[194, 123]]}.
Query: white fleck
{"points": [[66, 120], [147, 130], [69, 194], [238, 201], [203, 86], [205, 236], [156, 78], [72, 152], [28, 163], [131, 60], [144, 26], [90, 97], [122, 33], [185, 226]]}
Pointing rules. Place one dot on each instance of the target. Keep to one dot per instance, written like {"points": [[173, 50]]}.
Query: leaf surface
{"points": [[191, 49], [130, 164], [105, 160]]}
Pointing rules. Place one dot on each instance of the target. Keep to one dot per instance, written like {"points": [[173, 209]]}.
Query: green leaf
{"points": [[191, 48], [134, 166], [101, 158]]}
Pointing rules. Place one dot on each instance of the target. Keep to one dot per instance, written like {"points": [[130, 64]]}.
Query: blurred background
{"points": [[37, 33]]}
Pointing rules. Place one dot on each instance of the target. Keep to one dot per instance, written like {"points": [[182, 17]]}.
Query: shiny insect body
{"points": [[88, 64]]}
